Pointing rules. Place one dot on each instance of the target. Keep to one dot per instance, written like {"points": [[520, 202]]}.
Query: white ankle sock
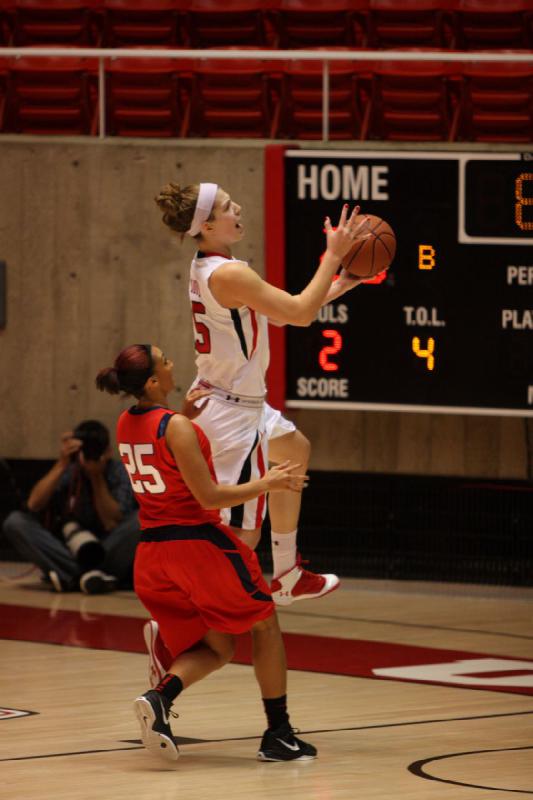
{"points": [[283, 551]]}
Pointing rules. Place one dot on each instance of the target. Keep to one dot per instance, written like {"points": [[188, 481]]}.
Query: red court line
{"points": [[324, 654]]}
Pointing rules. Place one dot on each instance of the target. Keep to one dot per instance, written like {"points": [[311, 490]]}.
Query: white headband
{"points": [[204, 205]]}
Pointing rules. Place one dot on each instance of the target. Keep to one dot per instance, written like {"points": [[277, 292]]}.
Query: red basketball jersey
{"points": [[163, 496]]}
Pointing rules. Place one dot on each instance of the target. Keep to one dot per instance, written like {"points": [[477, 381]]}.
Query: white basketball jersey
{"points": [[231, 343]]}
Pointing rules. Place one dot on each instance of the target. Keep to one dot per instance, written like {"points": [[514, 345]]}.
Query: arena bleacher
{"points": [[261, 98]]}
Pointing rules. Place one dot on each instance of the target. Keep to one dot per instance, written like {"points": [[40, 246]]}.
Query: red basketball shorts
{"points": [[197, 578]]}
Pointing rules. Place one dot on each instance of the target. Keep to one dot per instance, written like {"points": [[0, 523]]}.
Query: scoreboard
{"points": [[450, 327]]}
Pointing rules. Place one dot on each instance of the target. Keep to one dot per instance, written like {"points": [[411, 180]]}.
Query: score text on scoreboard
{"points": [[450, 328]]}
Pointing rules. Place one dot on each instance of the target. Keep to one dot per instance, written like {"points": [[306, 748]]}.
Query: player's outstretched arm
{"points": [[234, 284], [183, 443], [340, 285]]}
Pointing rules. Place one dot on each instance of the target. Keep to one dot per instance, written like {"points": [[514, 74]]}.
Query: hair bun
{"points": [[178, 205], [107, 380], [168, 198]]}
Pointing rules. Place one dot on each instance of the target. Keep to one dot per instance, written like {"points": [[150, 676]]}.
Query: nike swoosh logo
{"points": [[165, 715], [294, 747]]}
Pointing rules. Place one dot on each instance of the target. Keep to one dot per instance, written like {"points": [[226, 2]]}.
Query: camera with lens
{"points": [[84, 545], [94, 439]]}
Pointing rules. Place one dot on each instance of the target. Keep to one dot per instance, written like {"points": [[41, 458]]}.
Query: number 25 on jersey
{"points": [[137, 468]]}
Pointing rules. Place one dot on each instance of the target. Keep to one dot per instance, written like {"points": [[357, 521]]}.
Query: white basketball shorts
{"points": [[239, 443]]}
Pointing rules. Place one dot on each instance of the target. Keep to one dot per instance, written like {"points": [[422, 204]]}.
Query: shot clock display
{"points": [[450, 327]]}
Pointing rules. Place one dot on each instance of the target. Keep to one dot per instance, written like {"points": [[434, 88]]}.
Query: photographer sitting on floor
{"points": [[88, 530]]}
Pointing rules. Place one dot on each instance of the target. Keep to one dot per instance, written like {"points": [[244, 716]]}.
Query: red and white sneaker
{"points": [[159, 658], [299, 584]]}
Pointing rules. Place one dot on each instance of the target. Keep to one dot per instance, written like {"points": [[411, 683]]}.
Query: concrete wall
{"points": [[91, 268]]}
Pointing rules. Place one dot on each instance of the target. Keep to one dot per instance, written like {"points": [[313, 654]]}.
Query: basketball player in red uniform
{"points": [[201, 584]]}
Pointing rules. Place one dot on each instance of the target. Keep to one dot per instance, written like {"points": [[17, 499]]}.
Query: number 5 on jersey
{"points": [[136, 467], [202, 341]]}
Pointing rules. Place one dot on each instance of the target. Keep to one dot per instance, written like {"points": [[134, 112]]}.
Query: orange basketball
{"points": [[371, 256]]}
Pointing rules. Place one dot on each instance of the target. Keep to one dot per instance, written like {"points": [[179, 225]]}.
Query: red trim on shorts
{"points": [[261, 498], [254, 329]]}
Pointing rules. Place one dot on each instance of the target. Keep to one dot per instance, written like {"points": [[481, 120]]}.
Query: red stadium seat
{"points": [[61, 22], [143, 98], [143, 22], [5, 22], [411, 101], [486, 24], [301, 100], [231, 99], [317, 23], [497, 103], [52, 96], [233, 22], [408, 23]]}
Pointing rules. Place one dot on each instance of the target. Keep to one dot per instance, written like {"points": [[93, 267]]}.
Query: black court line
{"points": [[477, 631], [417, 769], [74, 753], [184, 740]]}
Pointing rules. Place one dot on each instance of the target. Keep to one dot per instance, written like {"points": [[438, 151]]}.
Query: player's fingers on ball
{"points": [[354, 214], [343, 216], [361, 224]]}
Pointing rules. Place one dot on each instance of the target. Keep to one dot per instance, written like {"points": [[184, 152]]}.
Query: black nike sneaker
{"points": [[153, 711], [282, 745]]}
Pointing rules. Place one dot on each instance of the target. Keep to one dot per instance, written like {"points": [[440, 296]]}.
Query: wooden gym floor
{"points": [[409, 690]]}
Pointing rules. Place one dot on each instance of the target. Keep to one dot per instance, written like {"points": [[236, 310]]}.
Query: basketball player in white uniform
{"points": [[231, 306], [231, 309]]}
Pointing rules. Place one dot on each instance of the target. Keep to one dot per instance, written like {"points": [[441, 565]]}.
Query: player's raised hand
{"points": [[281, 477], [189, 408], [341, 239], [345, 280], [342, 283]]}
